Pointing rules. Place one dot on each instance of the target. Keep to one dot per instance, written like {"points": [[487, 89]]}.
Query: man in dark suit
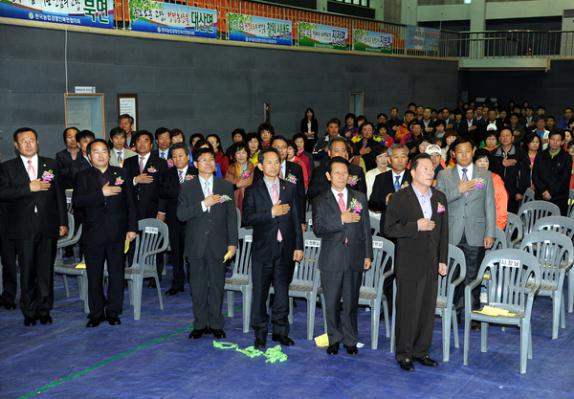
{"points": [[417, 218], [163, 141], [206, 205], [341, 220], [8, 261], [288, 171], [146, 172], [69, 159], [175, 178], [470, 126], [105, 196], [36, 216], [318, 184], [271, 206]]}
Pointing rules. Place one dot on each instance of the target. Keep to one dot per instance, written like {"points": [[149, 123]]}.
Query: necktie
{"points": [[120, 159], [397, 183], [465, 178], [275, 195], [163, 155], [342, 208], [142, 164], [207, 190], [180, 174], [31, 170]]}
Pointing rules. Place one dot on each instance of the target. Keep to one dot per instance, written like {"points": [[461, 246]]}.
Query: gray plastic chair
{"points": [[514, 230], [152, 240], [240, 279], [528, 196], [564, 225], [375, 225], [306, 281], [445, 298], [571, 204], [371, 292], [499, 240], [514, 279], [530, 212], [555, 254], [69, 269]]}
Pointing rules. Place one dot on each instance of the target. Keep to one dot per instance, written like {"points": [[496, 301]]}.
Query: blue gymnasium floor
{"points": [[153, 358]]}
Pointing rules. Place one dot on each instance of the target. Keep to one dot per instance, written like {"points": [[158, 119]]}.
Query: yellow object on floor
{"points": [[126, 246], [322, 341], [80, 266], [496, 312]]}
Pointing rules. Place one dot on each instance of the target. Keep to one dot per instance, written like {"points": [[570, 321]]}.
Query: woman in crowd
{"points": [[240, 172], [482, 161], [253, 145], [220, 157], [237, 136], [365, 145], [293, 157], [567, 138], [309, 128], [533, 145], [383, 137], [449, 138], [350, 128], [306, 157], [490, 142], [382, 159]]}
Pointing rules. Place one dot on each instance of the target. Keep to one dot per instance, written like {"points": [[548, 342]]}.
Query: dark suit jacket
{"points": [[106, 219], [257, 206], [21, 219], [417, 252], [172, 190], [207, 233], [319, 183], [335, 255], [382, 187], [68, 167], [156, 152], [463, 129], [149, 198], [295, 173]]}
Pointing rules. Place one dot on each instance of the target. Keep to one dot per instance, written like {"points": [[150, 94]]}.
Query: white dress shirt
{"points": [[146, 158], [207, 188], [469, 170], [34, 163]]}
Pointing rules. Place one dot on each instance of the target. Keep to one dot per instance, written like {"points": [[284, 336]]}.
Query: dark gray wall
{"points": [[552, 89], [199, 87]]}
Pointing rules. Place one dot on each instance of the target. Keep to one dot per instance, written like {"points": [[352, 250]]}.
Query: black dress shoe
{"points": [[218, 333], [151, 283], [45, 319], [407, 364], [283, 340], [95, 321], [8, 304], [426, 361], [174, 291], [333, 349], [352, 350], [260, 343], [29, 321], [196, 334], [114, 320]]}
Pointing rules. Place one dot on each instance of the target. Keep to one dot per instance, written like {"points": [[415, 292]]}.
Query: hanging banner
{"points": [[375, 42], [323, 36], [425, 39], [94, 13], [249, 28], [172, 19]]}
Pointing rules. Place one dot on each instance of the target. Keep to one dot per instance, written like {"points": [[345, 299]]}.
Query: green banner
{"points": [[375, 42], [323, 36]]}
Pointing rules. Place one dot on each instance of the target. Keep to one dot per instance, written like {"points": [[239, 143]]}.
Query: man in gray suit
{"points": [[206, 205], [341, 220], [118, 153], [472, 217]]}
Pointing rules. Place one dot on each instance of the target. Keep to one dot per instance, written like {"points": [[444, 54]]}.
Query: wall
{"points": [[552, 89], [199, 87]]}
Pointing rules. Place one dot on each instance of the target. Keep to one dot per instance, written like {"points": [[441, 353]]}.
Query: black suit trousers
{"points": [[9, 271], [341, 318], [474, 257], [36, 257], [207, 282], [177, 244], [264, 273], [113, 255], [416, 303]]}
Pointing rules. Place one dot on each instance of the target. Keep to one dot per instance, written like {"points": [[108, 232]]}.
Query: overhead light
{"points": [[467, 1]]}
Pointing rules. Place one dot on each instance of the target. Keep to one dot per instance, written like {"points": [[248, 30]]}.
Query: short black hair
{"points": [[262, 153], [102, 141], [462, 140], [266, 126], [117, 131], [180, 146], [557, 132], [126, 116], [194, 136], [161, 130], [66, 131], [240, 145], [335, 121], [275, 138], [22, 130], [85, 133], [200, 151], [482, 153], [418, 158], [240, 132], [335, 160], [140, 133], [337, 140], [408, 111], [176, 132]]}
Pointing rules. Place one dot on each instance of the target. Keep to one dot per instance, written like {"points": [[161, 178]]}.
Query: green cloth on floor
{"points": [[272, 355]]}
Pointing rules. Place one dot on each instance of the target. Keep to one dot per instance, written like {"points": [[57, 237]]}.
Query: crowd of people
{"points": [[431, 177]]}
